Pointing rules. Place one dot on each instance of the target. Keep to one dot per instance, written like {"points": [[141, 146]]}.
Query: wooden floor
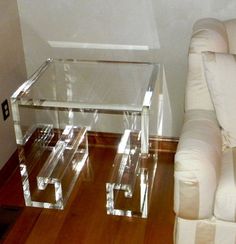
{"points": [[84, 219]]}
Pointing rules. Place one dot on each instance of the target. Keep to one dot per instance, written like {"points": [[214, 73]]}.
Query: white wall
{"points": [[97, 29], [55, 28], [12, 71]]}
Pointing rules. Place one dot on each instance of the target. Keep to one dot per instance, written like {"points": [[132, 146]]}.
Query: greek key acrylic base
{"points": [[129, 188], [50, 163]]}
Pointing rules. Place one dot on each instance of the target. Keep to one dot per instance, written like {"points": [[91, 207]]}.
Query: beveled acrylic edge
{"points": [[33, 78], [115, 109], [28, 83]]}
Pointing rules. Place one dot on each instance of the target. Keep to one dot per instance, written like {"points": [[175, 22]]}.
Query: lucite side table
{"points": [[54, 109]]}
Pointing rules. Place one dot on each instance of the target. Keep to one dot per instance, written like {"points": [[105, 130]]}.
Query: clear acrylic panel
{"points": [[129, 188]]}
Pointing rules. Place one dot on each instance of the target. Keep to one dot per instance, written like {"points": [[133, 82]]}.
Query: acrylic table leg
{"points": [[129, 187], [145, 131]]}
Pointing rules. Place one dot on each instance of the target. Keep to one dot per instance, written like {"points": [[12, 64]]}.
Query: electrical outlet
{"points": [[5, 109]]}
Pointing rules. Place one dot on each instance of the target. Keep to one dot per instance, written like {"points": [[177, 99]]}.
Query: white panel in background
{"points": [[92, 21]]}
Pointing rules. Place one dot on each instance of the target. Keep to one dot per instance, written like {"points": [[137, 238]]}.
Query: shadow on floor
{"points": [[8, 216]]}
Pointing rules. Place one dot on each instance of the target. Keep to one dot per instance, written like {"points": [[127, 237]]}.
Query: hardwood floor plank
{"points": [[9, 168], [160, 224], [8, 216], [23, 226], [11, 193]]}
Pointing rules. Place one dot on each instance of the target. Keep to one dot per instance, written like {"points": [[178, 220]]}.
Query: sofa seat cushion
{"points": [[225, 200]]}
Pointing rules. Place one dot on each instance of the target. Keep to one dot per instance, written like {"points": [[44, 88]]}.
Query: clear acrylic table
{"points": [[54, 109]]}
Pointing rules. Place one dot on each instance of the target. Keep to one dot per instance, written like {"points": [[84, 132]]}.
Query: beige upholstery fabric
{"points": [[225, 200], [209, 231], [197, 165], [231, 33], [220, 71], [208, 35], [205, 182]]}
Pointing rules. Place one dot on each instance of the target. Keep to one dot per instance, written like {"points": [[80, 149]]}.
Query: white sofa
{"points": [[205, 161]]}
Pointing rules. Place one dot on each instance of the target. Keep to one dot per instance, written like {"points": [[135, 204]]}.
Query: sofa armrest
{"points": [[197, 165]]}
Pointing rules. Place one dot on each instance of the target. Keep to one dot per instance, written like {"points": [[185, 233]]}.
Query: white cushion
{"points": [[231, 33], [220, 72], [208, 35], [225, 200]]}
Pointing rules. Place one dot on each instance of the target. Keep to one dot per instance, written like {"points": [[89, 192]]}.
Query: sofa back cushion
{"points": [[208, 35], [220, 71], [230, 26]]}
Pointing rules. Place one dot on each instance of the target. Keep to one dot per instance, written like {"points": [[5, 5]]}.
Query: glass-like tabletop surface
{"points": [[90, 84]]}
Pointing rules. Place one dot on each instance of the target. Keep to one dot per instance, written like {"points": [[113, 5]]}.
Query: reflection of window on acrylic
{"points": [[95, 116], [130, 121], [69, 90], [71, 117]]}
